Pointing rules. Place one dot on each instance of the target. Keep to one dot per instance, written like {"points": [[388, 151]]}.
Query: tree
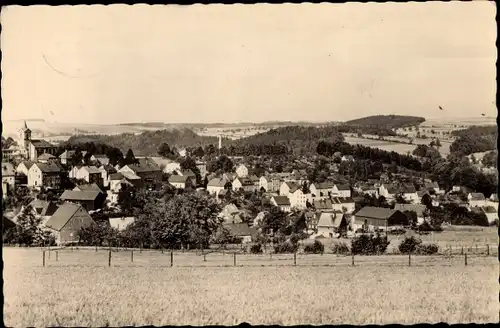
{"points": [[427, 201], [77, 158], [199, 152], [127, 198], [130, 158], [188, 163], [164, 150], [490, 159], [28, 230], [437, 143]]}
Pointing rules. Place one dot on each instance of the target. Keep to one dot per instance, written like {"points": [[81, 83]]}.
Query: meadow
{"points": [[81, 290], [401, 148]]}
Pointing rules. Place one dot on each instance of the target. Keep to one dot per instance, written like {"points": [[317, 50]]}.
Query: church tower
{"points": [[24, 138]]}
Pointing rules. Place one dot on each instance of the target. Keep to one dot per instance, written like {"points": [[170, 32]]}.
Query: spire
{"points": [[25, 125]]}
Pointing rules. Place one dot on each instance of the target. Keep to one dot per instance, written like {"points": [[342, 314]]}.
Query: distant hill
{"points": [[146, 143], [387, 121], [474, 139]]}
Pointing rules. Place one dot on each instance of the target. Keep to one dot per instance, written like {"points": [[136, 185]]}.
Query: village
{"points": [[331, 209]]}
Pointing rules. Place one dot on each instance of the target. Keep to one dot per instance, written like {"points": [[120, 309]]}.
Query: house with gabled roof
{"points": [[67, 222], [419, 209], [90, 199], [24, 167], [323, 205], [241, 230], [8, 178], [216, 185], [180, 181], [44, 208], [100, 159], [388, 191], [243, 184], [330, 223], [288, 187], [146, 169], [341, 190], [344, 204], [45, 158], [91, 174], [47, 175], [106, 171], [242, 171], [67, 156], [476, 199], [87, 187], [270, 183], [121, 223], [409, 193], [378, 218], [491, 214], [321, 189], [231, 214], [282, 202]]}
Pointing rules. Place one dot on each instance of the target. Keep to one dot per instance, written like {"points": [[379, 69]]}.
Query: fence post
{"points": [[96, 247], [132, 256], [409, 258], [234, 258], [462, 251], [352, 258], [109, 258], [49, 252], [476, 248], [43, 258], [465, 259], [488, 249], [295, 258], [204, 257], [171, 258], [57, 256], [162, 250]]}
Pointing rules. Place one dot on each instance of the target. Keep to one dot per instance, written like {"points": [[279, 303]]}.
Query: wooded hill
{"points": [[387, 121], [474, 139]]}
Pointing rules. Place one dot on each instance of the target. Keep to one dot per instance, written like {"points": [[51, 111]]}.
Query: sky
{"points": [[248, 63]]}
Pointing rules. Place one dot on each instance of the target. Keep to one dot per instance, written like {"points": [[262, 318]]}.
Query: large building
{"points": [[32, 148]]}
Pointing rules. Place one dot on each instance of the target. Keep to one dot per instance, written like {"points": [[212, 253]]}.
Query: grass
{"points": [[80, 290]]}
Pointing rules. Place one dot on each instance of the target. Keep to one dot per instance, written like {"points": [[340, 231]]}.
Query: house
{"points": [[255, 180], [323, 205], [242, 171], [321, 190], [388, 191], [106, 171], [216, 185], [419, 209], [45, 158], [259, 218], [231, 214], [282, 202], [121, 223], [167, 165], [100, 159], [341, 190], [298, 199], [409, 193], [67, 156], [146, 169], [32, 148], [24, 167], [47, 175], [494, 198], [493, 201], [368, 190], [347, 158], [491, 214], [288, 187], [67, 221], [88, 199], [91, 174], [476, 199], [44, 208], [347, 205], [269, 183], [87, 187], [8, 178], [378, 218], [243, 184], [330, 223], [241, 230], [180, 181], [433, 187], [116, 180], [298, 176], [311, 222], [187, 173]]}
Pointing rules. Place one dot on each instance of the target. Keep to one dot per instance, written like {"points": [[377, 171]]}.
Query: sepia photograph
{"points": [[269, 164]]}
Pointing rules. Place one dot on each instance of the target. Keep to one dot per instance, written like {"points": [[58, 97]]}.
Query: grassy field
{"points": [[80, 290], [401, 148]]}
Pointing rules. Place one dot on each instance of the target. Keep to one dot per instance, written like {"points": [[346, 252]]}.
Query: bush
{"points": [[369, 245], [315, 248], [340, 248], [256, 249], [428, 249], [285, 247], [409, 245]]}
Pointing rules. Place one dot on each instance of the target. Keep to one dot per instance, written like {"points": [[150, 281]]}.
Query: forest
{"points": [[387, 121], [474, 139]]}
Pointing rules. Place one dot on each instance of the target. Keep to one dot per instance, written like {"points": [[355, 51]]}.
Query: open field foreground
{"points": [[88, 293]]}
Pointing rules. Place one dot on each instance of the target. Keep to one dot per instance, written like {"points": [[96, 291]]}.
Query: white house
{"points": [[388, 191], [269, 183], [321, 190], [476, 199], [341, 190], [330, 223], [180, 181], [493, 201], [434, 187], [8, 178], [216, 185], [242, 171], [47, 175], [24, 167], [491, 214], [243, 184], [288, 187], [346, 204], [298, 199], [100, 159], [202, 167], [91, 174], [282, 202], [121, 223]]}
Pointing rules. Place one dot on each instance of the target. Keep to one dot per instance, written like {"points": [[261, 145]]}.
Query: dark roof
{"points": [[216, 182], [188, 173], [477, 196], [80, 195], [240, 229], [108, 168], [28, 164], [49, 167], [323, 204], [178, 178], [41, 144], [67, 154], [345, 200], [376, 212], [116, 176], [245, 181], [46, 156], [417, 208], [343, 187], [43, 207], [87, 187], [421, 193], [282, 200], [324, 185], [489, 209], [144, 166], [431, 185], [292, 186], [7, 223], [408, 188], [63, 214], [92, 169]]}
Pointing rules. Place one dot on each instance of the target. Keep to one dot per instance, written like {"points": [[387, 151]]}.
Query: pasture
{"points": [[398, 147], [81, 290]]}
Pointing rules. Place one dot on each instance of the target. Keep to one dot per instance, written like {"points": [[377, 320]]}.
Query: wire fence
{"points": [[120, 257]]}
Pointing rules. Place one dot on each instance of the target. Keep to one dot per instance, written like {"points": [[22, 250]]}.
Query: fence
{"points": [[166, 258]]}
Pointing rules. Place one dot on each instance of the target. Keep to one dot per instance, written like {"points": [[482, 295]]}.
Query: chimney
{"points": [[220, 141]]}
